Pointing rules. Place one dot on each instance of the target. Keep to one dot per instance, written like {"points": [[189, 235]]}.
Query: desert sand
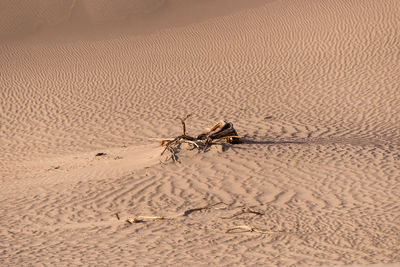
{"points": [[313, 87]]}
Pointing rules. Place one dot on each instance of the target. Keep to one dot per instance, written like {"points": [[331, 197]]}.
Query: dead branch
{"points": [[133, 220], [150, 217], [250, 229], [139, 219], [244, 211], [184, 125], [220, 132], [189, 211], [191, 142]]}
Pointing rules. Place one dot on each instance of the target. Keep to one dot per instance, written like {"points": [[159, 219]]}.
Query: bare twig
{"points": [[191, 142], [132, 220], [139, 219], [189, 211], [245, 210], [150, 217], [169, 143], [173, 156], [250, 229], [183, 124]]}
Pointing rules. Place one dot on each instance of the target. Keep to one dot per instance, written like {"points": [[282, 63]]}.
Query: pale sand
{"points": [[314, 85]]}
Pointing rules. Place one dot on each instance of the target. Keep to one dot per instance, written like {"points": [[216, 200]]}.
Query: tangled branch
{"points": [[221, 132]]}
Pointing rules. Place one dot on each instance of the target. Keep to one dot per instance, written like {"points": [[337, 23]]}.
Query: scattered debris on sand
{"points": [[215, 206]]}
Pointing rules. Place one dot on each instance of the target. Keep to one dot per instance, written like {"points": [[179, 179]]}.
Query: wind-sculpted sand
{"points": [[313, 87]]}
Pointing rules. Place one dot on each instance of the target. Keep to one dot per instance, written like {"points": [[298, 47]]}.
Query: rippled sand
{"points": [[313, 85]]}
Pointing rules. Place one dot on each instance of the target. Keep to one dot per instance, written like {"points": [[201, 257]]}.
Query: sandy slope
{"points": [[314, 85], [88, 19]]}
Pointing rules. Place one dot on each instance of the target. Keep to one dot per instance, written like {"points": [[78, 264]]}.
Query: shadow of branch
{"points": [[248, 141]]}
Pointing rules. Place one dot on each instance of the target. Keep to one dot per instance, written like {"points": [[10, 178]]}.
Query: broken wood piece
{"points": [[189, 211], [191, 142], [244, 211], [163, 141], [150, 217], [139, 219], [183, 124], [250, 210], [132, 220], [250, 229], [221, 130], [216, 126]]}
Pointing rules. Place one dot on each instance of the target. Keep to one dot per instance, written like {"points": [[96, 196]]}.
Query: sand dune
{"points": [[313, 85], [88, 19]]}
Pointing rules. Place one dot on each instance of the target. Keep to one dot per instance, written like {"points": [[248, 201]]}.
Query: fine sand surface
{"points": [[314, 86]]}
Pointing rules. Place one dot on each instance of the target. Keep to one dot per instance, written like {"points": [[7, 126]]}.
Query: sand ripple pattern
{"points": [[315, 86]]}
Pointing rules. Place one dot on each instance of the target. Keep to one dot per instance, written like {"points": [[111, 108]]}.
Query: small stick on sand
{"points": [[132, 220], [150, 217], [243, 211], [250, 229], [189, 211], [116, 214], [139, 219]]}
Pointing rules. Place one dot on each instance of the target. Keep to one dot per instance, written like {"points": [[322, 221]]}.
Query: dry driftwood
{"points": [[220, 132], [244, 211], [208, 207], [139, 219], [250, 229]]}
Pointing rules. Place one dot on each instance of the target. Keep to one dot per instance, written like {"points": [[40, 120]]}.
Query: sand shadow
{"points": [[353, 141], [247, 141]]}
